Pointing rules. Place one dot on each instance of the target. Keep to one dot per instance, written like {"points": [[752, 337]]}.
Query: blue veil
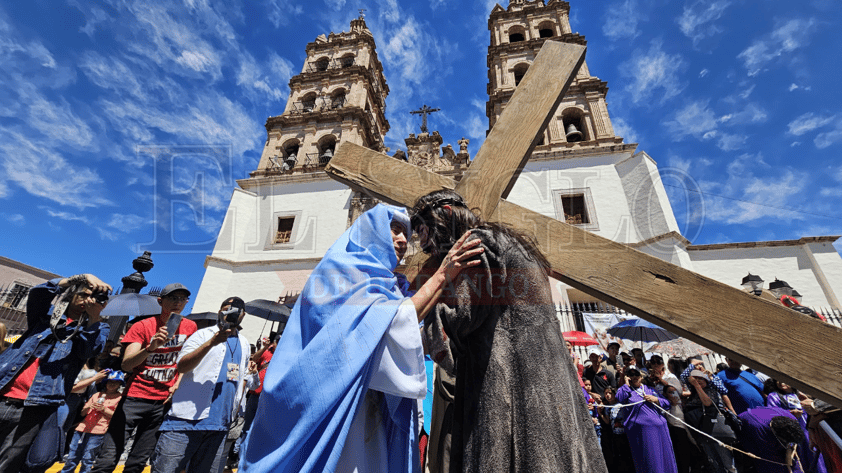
{"points": [[321, 367]]}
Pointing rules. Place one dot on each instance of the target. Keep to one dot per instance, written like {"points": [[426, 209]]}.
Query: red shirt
{"points": [[96, 422], [19, 387], [153, 378], [264, 358]]}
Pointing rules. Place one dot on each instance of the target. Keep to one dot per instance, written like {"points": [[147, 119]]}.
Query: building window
{"points": [[575, 212], [575, 207], [347, 61], [284, 233], [520, 71], [517, 34], [546, 29], [15, 296], [321, 64]]}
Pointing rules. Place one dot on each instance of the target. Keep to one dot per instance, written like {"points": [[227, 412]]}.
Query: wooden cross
{"points": [[424, 111], [780, 342]]}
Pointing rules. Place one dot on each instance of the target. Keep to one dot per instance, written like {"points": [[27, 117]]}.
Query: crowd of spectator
{"points": [[166, 394], [679, 416]]}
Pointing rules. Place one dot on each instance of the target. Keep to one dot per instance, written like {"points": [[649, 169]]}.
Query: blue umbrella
{"points": [[639, 330], [131, 305]]}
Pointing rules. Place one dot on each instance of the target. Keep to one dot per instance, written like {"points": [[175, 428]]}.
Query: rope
{"points": [[729, 447]]}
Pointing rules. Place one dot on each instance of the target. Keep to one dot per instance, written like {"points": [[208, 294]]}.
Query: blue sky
{"points": [[738, 100]]}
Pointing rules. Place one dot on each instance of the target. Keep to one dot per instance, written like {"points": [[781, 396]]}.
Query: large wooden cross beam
{"points": [[768, 336]]}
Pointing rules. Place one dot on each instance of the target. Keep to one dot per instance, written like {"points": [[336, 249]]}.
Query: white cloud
{"points": [[730, 141], [703, 73], [782, 41], [653, 72], [696, 21], [750, 113], [823, 140], [17, 220], [695, 119], [281, 13], [110, 73], [748, 194], [252, 76], [807, 123], [621, 20], [44, 172], [623, 129], [127, 222]]}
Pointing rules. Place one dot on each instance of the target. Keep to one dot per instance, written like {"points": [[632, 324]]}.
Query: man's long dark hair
{"points": [[445, 227]]}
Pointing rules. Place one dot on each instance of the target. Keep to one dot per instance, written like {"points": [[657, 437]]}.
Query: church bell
{"points": [[573, 134], [325, 157], [289, 162]]}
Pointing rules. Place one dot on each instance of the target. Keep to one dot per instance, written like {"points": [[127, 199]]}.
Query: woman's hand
{"points": [[460, 257], [651, 398]]}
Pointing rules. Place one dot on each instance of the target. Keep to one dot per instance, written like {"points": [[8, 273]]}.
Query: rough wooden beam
{"points": [[498, 163], [381, 176], [762, 334]]}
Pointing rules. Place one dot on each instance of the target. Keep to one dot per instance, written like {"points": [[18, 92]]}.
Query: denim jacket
{"points": [[60, 363]]}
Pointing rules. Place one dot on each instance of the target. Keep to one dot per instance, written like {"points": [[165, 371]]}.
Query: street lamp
{"points": [[753, 283], [780, 288]]}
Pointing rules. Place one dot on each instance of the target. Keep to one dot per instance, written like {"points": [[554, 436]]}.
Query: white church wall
{"points": [[787, 263], [535, 188], [651, 212], [829, 262]]}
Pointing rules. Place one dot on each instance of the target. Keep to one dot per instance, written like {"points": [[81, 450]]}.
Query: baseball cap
{"points": [[612, 344], [594, 351], [117, 376], [234, 302], [170, 288]]}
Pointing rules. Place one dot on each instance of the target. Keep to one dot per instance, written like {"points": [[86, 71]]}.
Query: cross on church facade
{"points": [[424, 111], [762, 334]]}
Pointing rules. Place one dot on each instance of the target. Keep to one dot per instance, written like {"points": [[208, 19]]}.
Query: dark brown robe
{"points": [[518, 403]]}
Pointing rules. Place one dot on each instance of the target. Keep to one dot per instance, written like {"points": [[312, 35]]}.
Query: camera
{"points": [[101, 297], [229, 318]]}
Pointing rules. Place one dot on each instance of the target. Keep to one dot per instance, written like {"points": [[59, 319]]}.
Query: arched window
{"points": [[517, 34], [347, 60], [337, 99], [519, 72], [546, 29], [322, 63], [326, 145], [290, 154], [308, 102], [573, 120]]}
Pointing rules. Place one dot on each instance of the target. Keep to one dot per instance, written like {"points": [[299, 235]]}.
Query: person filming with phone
{"points": [[215, 365], [151, 352]]}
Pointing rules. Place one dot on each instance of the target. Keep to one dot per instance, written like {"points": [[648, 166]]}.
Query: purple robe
{"points": [[648, 433], [788, 402], [757, 438]]}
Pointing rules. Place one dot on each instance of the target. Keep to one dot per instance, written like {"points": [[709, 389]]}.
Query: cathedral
{"points": [[287, 213]]}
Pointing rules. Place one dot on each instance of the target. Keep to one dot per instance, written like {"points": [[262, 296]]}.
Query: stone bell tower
{"points": [[517, 34], [340, 95]]}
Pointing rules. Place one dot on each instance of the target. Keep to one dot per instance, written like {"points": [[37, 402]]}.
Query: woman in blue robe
{"points": [[341, 391], [646, 427]]}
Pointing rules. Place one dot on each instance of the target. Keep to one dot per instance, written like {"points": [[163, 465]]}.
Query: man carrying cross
{"points": [[518, 404]]}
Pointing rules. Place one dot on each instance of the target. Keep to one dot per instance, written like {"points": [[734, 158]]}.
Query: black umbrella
{"points": [[131, 305], [122, 308], [269, 310], [203, 316]]}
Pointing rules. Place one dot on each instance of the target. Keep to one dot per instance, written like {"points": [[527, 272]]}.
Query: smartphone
{"points": [[172, 324]]}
